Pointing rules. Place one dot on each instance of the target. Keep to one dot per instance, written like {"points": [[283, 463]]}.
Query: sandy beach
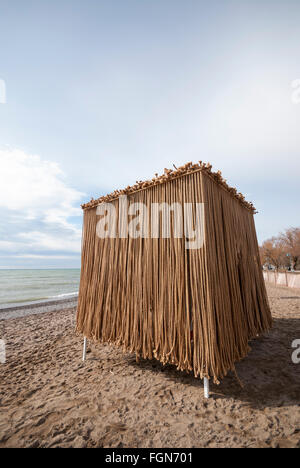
{"points": [[38, 308], [49, 398]]}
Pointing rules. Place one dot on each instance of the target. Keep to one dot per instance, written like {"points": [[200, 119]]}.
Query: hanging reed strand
{"points": [[146, 294]]}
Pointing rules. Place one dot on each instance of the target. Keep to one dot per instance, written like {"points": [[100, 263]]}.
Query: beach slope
{"points": [[49, 398]]}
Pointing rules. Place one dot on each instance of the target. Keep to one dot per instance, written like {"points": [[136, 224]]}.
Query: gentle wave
{"points": [[21, 301], [37, 285], [64, 295]]}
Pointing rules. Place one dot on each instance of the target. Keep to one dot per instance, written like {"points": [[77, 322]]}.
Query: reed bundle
{"points": [[147, 294]]}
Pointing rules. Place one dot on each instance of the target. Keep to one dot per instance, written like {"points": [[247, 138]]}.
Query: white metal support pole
{"points": [[206, 388], [84, 349]]}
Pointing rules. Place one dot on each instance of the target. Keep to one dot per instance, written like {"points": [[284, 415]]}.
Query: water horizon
{"points": [[20, 286]]}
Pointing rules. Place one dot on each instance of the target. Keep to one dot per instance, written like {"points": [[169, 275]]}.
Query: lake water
{"points": [[21, 286]]}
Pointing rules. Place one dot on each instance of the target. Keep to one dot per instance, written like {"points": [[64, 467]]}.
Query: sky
{"points": [[97, 94]]}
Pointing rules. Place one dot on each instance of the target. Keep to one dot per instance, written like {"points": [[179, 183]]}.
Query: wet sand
{"points": [[49, 398], [39, 307]]}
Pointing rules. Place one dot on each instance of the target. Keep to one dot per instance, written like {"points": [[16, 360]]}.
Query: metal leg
{"points": [[84, 349], [206, 388]]}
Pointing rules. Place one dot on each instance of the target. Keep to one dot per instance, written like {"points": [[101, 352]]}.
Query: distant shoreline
{"points": [[37, 307]]}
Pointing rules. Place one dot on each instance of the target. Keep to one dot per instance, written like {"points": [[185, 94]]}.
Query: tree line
{"points": [[283, 251]]}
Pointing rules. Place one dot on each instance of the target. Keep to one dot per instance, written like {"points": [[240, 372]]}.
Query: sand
{"points": [[39, 307], [49, 398]]}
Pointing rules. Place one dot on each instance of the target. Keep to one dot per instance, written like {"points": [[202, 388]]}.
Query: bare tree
{"points": [[273, 252], [291, 242]]}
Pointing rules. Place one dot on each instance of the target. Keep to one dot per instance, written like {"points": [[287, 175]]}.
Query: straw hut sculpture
{"points": [[147, 292]]}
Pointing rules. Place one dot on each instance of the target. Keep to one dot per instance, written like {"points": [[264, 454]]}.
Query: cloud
{"points": [[257, 123], [42, 240], [46, 257], [40, 213], [6, 245], [35, 186]]}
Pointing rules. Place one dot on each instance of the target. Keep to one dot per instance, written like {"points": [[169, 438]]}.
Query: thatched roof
{"points": [[171, 174]]}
